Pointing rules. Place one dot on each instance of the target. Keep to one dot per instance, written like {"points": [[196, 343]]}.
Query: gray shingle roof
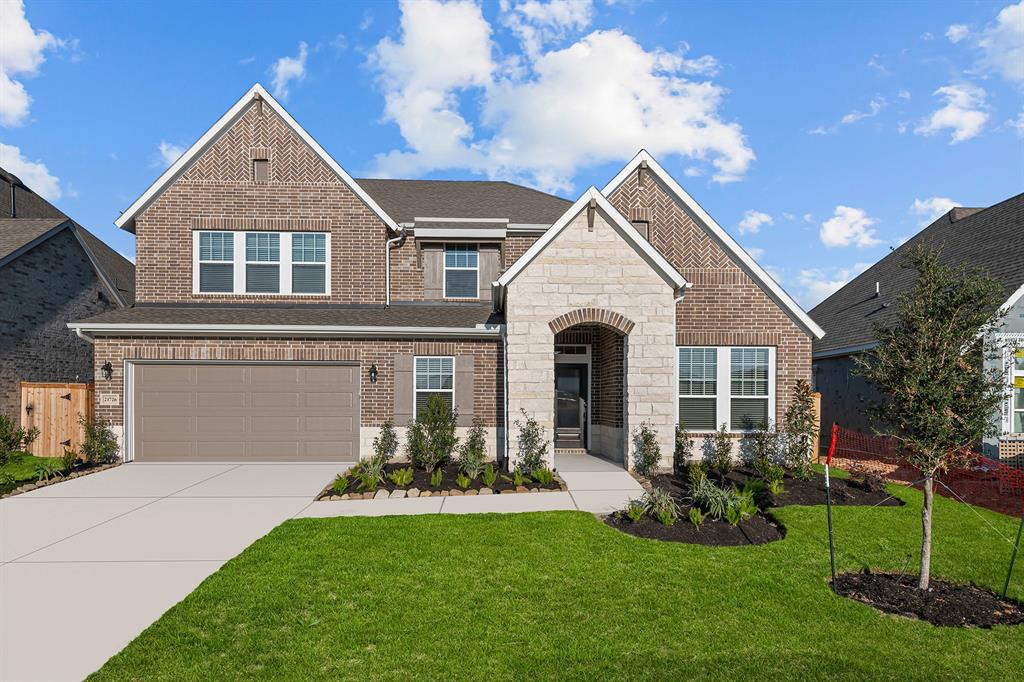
{"points": [[991, 239], [405, 200], [17, 232], [450, 315]]}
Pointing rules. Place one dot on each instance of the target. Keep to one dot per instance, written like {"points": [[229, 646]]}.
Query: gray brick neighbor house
{"points": [[285, 310], [52, 271]]}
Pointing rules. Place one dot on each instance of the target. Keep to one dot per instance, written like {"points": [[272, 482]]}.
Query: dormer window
{"points": [[461, 271]]}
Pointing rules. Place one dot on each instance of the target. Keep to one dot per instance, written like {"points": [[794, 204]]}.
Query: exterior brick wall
{"points": [[40, 292], [302, 194], [376, 399], [725, 307]]}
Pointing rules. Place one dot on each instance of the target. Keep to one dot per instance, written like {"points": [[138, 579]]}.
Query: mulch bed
{"points": [[757, 530], [945, 603], [81, 469], [421, 483], [845, 491]]}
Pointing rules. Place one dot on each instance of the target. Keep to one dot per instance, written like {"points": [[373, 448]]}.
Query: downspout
{"points": [[82, 335], [399, 240]]}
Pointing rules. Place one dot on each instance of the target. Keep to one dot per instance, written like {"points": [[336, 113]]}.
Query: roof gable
{"points": [[704, 220], [257, 92], [618, 223]]}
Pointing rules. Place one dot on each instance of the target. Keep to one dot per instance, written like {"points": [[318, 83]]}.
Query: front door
{"points": [[571, 405]]}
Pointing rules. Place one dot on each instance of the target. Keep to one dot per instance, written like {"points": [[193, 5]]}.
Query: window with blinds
{"points": [[262, 262], [461, 271], [309, 263], [433, 376], [698, 388], [748, 404], [216, 262]]}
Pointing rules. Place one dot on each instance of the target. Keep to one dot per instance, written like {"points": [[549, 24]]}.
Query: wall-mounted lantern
{"points": [[373, 374], [108, 370]]}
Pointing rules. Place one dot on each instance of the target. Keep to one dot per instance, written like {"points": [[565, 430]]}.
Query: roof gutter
{"points": [[846, 350], [277, 330], [82, 335]]}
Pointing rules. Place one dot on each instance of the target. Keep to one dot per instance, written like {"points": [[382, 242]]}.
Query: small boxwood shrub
{"points": [[385, 443], [647, 451], [533, 448], [431, 436], [473, 451]]}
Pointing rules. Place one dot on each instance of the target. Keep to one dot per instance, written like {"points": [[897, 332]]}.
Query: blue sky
{"points": [[819, 134]]}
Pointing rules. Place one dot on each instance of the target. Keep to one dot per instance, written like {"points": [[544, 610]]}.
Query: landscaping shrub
{"points": [[340, 483], [763, 446], [866, 479], [401, 477], [696, 473], [69, 460], [13, 438], [713, 499], [635, 510], [369, 472], [648, 452], [100, 444], [473, 451], [432, 436], [544, 476], [385, 443], [682, 453], [435, 478], [801, 427], [773, 476], [721, 451], [518, 478], [533, 448], [662, 506], [489, 476], [696, 517], [462, 480]]}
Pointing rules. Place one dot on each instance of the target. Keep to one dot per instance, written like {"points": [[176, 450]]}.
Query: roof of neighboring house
{"points": [[406, 200], [302, 317], [37, 220], [988, 238]]}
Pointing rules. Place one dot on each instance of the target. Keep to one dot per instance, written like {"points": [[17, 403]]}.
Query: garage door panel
{"points": [[242, 412]]}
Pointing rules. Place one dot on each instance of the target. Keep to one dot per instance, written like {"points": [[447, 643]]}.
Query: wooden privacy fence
{"points": [[54, 409]]}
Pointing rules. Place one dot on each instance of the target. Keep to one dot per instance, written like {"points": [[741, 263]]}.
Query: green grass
{"points": [[560, 595], [20, 466]]}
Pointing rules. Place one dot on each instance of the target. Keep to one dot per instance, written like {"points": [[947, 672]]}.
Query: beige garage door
{"points": [[246, 412]]}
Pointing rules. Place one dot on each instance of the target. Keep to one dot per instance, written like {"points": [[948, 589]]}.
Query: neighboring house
{"points": [[52, 271], [989, 238], [286, 310]]}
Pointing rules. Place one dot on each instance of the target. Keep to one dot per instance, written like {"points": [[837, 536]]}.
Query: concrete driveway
{"points": [[86, 565]]}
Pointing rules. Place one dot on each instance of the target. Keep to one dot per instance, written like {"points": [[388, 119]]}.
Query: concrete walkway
{"points": [[86, 565]]}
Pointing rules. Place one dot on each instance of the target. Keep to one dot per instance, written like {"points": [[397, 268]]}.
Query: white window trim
{"points": [[1013, 373], [284, 241], [197, 262], [416, 391], [723, 388], [284, 263], [445, 268]]}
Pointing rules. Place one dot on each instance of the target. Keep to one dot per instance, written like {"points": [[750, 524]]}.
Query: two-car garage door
{"points": [[245, 412]]}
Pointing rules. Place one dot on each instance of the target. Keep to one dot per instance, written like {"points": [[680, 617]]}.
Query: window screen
{"points": [[461, 271], [309, 263], [216, 267], [434, 376], [698, 376], [262, 255]]}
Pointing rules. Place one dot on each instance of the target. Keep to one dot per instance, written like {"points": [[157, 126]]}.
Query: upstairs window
{"points": [[262, 262], [309, 263], [434, 376], [1017, 372], [749, 388], [461, 271], [216, 262]]}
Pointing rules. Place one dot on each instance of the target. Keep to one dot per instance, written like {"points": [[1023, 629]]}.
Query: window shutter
{"points": [[403, 390], [464, 371], [433, 271], [490, 265]]}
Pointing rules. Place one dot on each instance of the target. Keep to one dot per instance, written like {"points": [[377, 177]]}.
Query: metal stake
{"points": [[831, 537], [1013, 557]]}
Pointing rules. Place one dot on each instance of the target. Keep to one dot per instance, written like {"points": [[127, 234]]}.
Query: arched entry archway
{"points": [[590, 354]]}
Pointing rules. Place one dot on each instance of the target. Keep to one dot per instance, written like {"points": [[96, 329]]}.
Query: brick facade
{"points": [[219, 190], [725, 307], [40, 292]]}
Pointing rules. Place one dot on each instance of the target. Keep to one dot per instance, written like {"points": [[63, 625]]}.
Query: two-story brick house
{"points": [[285, 310]]}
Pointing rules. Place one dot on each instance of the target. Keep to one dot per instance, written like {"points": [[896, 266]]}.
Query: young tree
{"points": [[801, 426], [939, 401]]}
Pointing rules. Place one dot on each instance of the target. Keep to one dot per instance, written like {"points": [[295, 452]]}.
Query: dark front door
{"points": [[570, 405]]}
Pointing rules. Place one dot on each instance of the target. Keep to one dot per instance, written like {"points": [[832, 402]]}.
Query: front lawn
{"points": [[562, 595], [20, 468]]}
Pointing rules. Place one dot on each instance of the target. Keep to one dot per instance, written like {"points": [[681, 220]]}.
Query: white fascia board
{"points": [[116, 328], [185, 160], [528, 227], [1014, 297], [755, 270], [459, 233], [503, 221], [618, 221]]}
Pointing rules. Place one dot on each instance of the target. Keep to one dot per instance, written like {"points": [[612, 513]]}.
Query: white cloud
{"points": [[245, 61], [874, 106], [957, 32], [537, 23], [21, 54], [1002, 44], [753, 220], [817, 284], [930, 209], [755, 252], [819, 130], [1017, 124], [903, 94], [34, 174], [876, 64], [693, 172], [288, 69], [849, 227], [598, 100], [367, 21], [169, 152], [965, 113]]}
